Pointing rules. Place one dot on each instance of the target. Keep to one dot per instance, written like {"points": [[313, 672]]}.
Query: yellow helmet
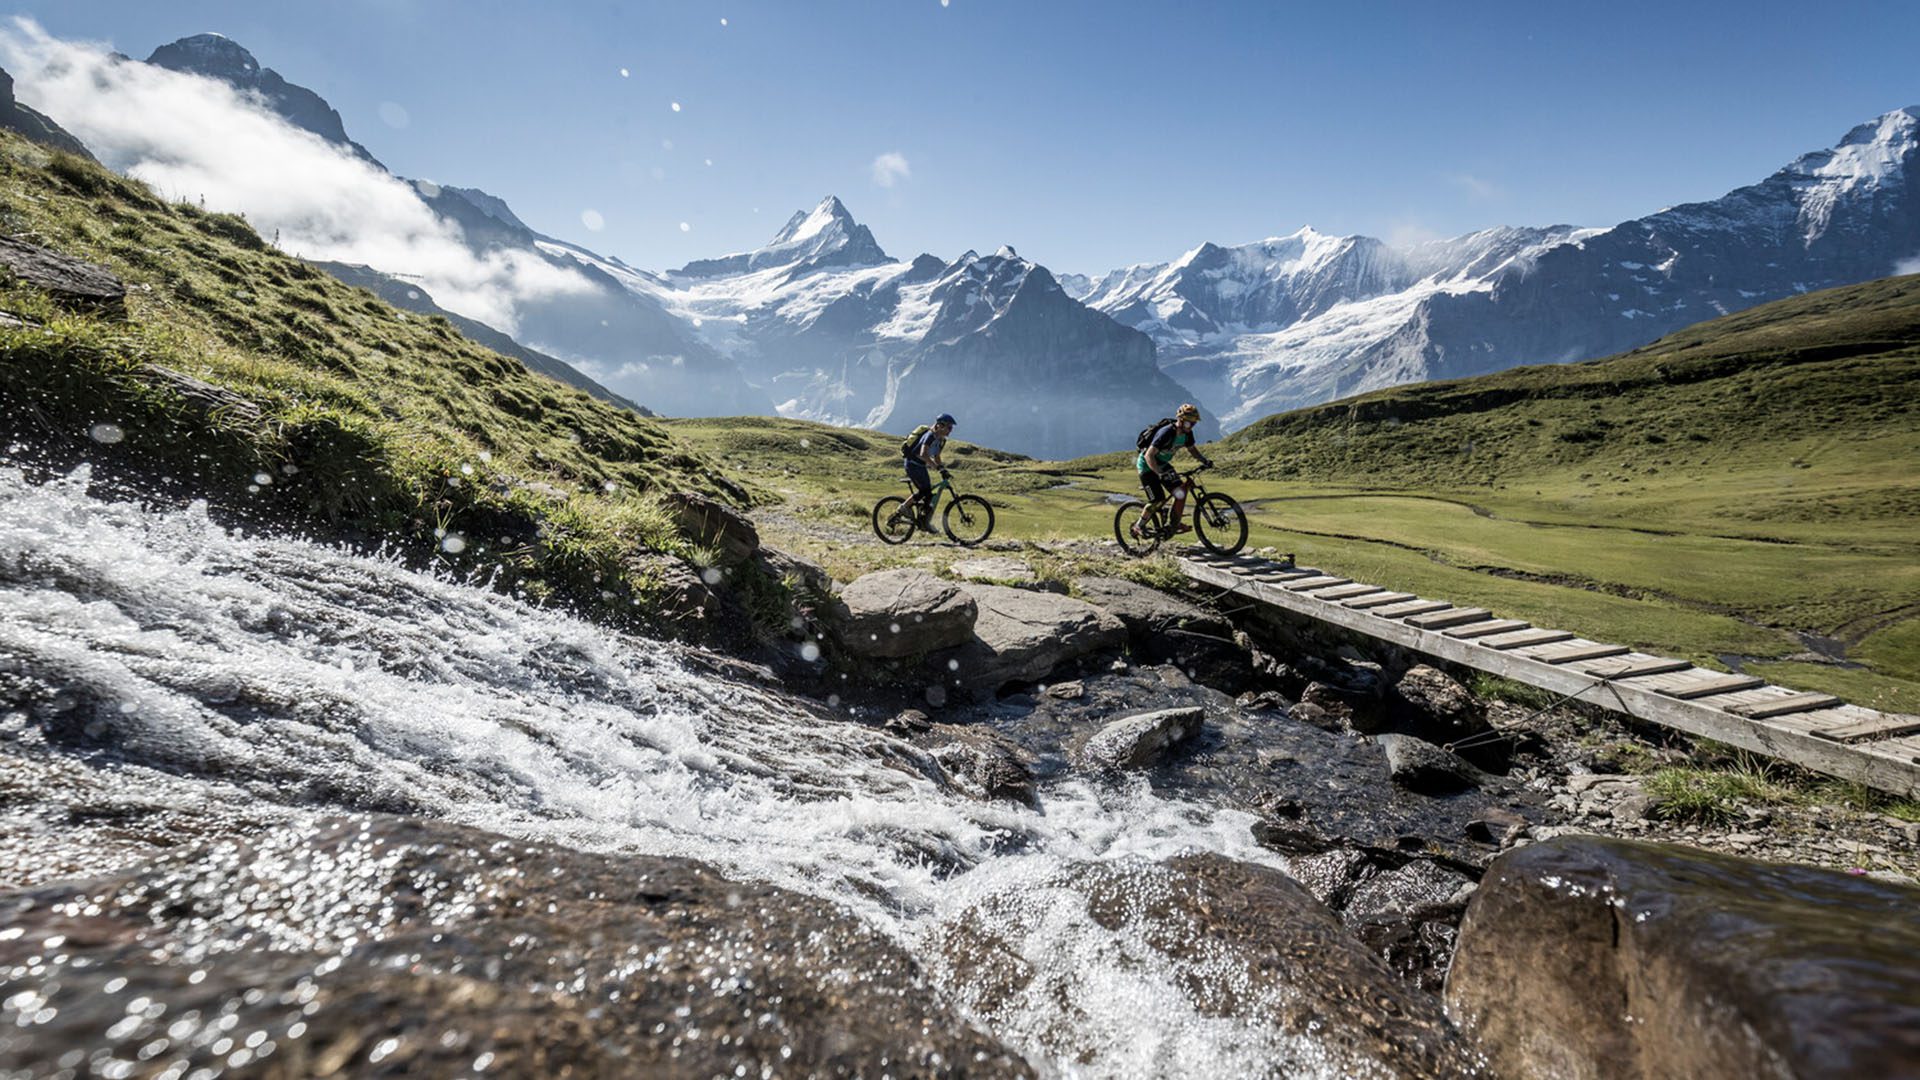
{"points": [[1188, 411]]}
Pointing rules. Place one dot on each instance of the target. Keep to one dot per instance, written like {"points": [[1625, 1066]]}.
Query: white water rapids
{"points": [[304, 675]]}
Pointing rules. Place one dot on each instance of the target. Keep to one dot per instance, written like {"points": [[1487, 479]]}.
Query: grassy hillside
{"points": [[319, 405]]}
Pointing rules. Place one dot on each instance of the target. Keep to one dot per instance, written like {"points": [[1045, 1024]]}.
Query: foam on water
{"points": [[314, 677]]}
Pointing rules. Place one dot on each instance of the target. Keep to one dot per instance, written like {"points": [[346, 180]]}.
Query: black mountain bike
{"points": [[967, 519], [1217, 520]]}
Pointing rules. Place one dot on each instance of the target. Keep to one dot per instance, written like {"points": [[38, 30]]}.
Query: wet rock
{"points": [[1262, 701], [1585, 956], [1309, 713], [713, 524], [1137, 742], [1358, 709], [986, 765], [1164, 629], [1424, 768], [1022, 636], [1431, 704], [909, 721], [994, 569], [1245, 943], [894, 613], [1066, 691], [1496, 826], [385, 947], [69, 281]]}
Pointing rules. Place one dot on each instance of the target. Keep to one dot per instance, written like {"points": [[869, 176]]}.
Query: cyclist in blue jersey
{"points": [[922, 449]]}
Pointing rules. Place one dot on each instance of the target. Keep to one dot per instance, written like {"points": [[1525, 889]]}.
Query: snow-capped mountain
{"points": [[617, 336], [1307, 318], [837, 331]]}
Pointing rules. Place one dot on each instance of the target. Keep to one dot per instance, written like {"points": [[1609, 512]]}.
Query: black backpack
{"points": [[1146, 433], [913, 441]]}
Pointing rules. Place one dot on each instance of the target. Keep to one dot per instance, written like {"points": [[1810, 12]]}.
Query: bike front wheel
{"points": [[1135, 529], [892, 520], [1221, 524], [968, 520]]}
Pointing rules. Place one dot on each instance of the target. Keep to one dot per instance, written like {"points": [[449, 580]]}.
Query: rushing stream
{"points": [[223, 668]]}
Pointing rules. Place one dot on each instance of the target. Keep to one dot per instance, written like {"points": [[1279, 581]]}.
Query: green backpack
{"points": [[913, 440]]}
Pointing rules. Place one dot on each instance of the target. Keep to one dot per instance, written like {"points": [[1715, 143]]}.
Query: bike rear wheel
{"points": [[893, 520], [1221, 524], [1135, 529], [968, 520]]}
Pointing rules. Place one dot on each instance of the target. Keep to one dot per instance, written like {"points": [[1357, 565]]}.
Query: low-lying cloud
{"points": [[193, 138]]}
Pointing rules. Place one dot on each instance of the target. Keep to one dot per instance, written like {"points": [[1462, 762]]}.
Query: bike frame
{"points": [[932, 496], [1195, 492]]}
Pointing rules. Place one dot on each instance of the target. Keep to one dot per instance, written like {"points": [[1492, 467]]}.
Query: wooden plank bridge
{"points": [[1815, 731]]}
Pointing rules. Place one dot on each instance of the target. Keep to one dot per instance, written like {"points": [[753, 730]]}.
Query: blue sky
{"points": [[1088, 135]]}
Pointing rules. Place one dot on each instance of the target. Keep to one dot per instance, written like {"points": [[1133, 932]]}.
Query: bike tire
{"points": [[1220, 524], [1131, 513], [967, 520], [891, 522]]}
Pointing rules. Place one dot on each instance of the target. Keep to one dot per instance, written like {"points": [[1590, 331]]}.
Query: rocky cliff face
{"points": [[34, 125], [1304, 319]]}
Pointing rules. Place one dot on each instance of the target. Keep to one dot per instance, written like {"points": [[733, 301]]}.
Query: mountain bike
{"points": [[1217, 520], [967, 519]]}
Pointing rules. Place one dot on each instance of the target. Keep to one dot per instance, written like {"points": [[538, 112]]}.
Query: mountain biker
{"points": [[922, 449], [1155, 462]]}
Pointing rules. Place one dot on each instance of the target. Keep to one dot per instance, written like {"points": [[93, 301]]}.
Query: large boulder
{"points": [[1022, 635], [712, 523], [1137, 742], [376, 946], [1235, 943], [894, 613], [1583, 956], [1164, 629], [70, 281], [1426, 769]]}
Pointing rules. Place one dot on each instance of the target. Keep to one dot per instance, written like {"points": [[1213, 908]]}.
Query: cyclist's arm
{"points": [[1194, 449]]}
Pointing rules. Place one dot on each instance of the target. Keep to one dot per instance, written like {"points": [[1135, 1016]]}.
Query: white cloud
{"points": [[890, 168], [1406, 234], [1475, 186], [1907, 266], [191, 138]]}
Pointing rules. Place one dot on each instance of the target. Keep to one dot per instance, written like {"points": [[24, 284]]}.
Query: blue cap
{"points": [[945, 418]]}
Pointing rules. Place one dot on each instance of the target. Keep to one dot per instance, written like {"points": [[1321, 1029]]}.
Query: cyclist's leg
{"points": [[1179, 489], [1156, 492], [922, 485]]}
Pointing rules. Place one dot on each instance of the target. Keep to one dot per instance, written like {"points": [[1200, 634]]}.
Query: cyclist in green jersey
{"points": [[1155, 462]]}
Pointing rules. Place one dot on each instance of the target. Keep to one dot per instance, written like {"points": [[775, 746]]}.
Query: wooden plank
{"points": [[1586, 652], [1486, 629], [1412, 607], [1443, 619], [1882, 726], [1639, 669], [1292, 575], [1310, 584], [1379, 601], [1529, 638], [1891, 764], [1782, 706], [1347, 592], [1714, 686]]}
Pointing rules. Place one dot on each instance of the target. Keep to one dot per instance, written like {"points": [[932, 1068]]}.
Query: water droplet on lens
{"points": [[107, 433]]}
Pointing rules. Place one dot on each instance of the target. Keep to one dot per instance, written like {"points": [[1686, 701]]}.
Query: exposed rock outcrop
{"points": [[374, 946], [1589, 957], [895, 613], [69, 281], [1419, 766], [1137, 742], [1022, 636]]}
